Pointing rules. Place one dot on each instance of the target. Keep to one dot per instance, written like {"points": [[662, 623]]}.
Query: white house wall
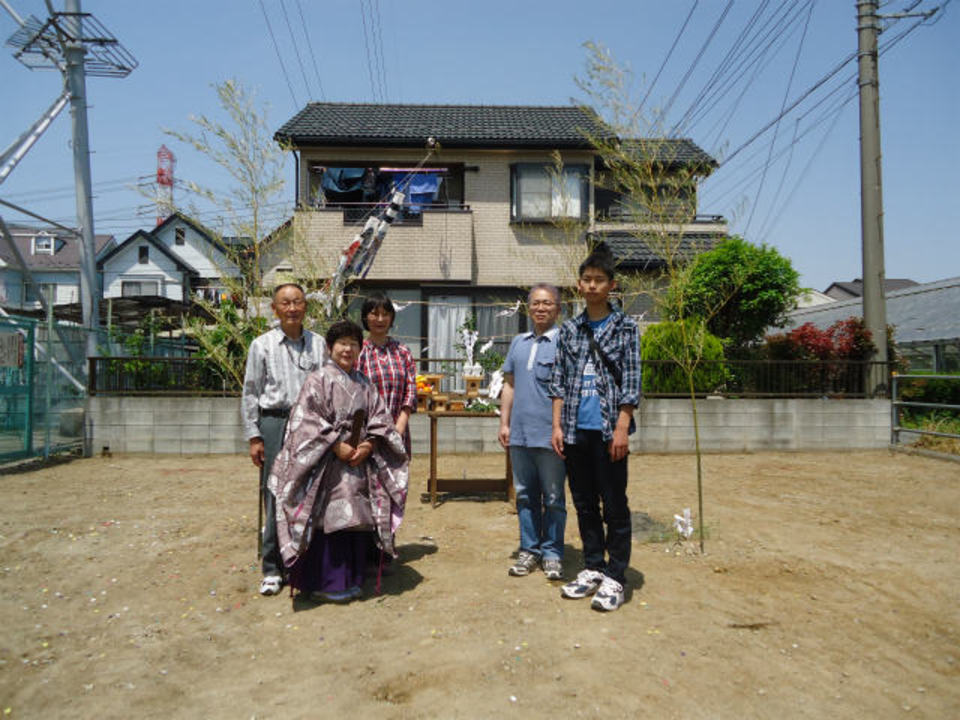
{"points": [[197, 252], [125, 266]]}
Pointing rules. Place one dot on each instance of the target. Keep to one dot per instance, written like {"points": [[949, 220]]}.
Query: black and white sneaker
{"points": [[586, 583], [609, 595], [525, 564]]}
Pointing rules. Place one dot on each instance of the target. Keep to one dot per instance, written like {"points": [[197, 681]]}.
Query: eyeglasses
{"points": [[542, 304], [291, 304]]}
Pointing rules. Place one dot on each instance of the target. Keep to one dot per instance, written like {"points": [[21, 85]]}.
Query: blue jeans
{"points": [[538, 475]]}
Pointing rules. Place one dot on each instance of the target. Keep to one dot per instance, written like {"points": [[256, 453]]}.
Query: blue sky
{"points": [[806, 204]]}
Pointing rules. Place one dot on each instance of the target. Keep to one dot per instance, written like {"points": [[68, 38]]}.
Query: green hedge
{"points": [[663, 343]]}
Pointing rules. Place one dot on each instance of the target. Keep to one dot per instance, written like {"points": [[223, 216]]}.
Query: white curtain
{"points": [[446, 313]]}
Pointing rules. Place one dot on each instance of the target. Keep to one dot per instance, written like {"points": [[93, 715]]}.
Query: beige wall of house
{"points": [[477, 246]]}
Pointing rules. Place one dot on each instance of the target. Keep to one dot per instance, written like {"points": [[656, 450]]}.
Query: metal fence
{"points": [[42, 387], [755, 378], [158, 376], [768, 378], [901, 383]]}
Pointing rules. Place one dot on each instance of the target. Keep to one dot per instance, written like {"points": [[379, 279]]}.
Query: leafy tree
{"points": [[742, 288]]}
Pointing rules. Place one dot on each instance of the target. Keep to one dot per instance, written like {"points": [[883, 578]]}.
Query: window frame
{"points": [[49, 244], [517, 170], [180, 236], [143, 254], [125, 284]]}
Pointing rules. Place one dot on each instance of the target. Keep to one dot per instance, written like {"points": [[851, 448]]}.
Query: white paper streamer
{"points": [[683, 524]]}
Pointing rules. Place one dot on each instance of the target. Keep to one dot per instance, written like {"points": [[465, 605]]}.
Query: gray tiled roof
{"points": [[855, 287], [672, 151], [66, 258], [633, 253], [920, 313], [340, 124]]}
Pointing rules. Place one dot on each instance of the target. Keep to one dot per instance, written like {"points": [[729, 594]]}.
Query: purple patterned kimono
{"points": [[315, 490]]}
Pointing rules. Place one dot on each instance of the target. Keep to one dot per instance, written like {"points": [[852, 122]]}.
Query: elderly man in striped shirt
{"points": [[278, 362]]}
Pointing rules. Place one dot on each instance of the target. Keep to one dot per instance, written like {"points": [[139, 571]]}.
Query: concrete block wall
{"points": [[212, 425], [161, 425]]}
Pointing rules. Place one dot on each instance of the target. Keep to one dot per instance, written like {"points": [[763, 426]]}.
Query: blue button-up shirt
{"points": [[530, 360], [619, 339]]}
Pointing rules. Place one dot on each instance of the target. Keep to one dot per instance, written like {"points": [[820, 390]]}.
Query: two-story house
{"points": [[177, 260], [53, 260], [506, 201]]}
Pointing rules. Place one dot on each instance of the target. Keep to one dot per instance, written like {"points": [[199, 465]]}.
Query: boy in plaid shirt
{"points": [[595, 389]]}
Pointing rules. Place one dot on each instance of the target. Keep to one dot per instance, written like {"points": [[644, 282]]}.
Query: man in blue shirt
{"points": [[525, 427]]}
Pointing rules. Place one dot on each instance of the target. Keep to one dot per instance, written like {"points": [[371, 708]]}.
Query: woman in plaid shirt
{"points": [[388, 363]]}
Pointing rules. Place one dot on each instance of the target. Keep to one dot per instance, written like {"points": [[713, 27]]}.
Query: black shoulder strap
{"points": [[613, 369]]}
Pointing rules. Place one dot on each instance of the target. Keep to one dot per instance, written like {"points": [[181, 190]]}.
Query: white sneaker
{"points": [[271, 584], [586, 583], [609, 595]]}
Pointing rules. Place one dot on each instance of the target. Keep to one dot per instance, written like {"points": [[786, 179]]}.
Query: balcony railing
{"points": [[356, 213]]}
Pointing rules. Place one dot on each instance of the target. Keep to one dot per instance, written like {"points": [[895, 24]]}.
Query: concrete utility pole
{"points": [[74, 52], [871, 183]]}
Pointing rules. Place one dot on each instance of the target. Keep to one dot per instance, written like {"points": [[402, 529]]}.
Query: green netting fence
{"points": [[42, 387]]}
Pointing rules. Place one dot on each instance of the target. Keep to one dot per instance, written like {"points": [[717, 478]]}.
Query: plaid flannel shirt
{"points": [[619, 339], [392, 371]]}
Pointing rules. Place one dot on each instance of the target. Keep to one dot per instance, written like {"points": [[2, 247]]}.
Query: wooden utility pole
{"points": [[871, 184]]}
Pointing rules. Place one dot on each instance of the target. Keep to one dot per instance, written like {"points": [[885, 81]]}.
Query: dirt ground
{"points": [[829, 588]]}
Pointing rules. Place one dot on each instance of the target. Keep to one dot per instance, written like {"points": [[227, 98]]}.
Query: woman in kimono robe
{"points": [[340, 477]]}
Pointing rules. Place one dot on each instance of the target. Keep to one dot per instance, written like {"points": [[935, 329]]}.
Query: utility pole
{"points": [[74, 52], [871, 184]]}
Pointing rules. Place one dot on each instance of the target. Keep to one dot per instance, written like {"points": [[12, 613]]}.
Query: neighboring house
{"points": [[53, 259], [812, 298], [854, 288], [925, 318], [177, 260], [482, 221]]}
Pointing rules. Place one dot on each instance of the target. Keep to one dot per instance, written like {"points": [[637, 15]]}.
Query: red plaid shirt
{"points": [[392, 371]]}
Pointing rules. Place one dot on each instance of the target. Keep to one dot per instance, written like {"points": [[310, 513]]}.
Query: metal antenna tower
{"points": [[76, 44]]}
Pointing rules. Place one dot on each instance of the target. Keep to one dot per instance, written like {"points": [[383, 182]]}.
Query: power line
{"points": [[303, 24], [696, 60], [757, 48], [366, 43], [676, 40], [721, 68], [296, 50], [378, 46], [279, 58], [776, 130]]}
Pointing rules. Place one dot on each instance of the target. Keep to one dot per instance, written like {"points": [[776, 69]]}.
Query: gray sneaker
{"points": [[552, 568], [525, 564]]}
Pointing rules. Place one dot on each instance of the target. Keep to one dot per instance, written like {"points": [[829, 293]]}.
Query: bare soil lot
{"points": [[829, 589]]}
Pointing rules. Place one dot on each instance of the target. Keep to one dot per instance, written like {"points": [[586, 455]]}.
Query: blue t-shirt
{"points": [[530, 361], [589, 414]]}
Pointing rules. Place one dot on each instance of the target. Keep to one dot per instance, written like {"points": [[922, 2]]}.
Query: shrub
{"points": [[662, 356]]}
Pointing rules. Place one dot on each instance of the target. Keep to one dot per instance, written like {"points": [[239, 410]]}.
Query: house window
{"points": [[180, 236], [540, 192], [144, 254], [43, 244], [131, 288]]}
